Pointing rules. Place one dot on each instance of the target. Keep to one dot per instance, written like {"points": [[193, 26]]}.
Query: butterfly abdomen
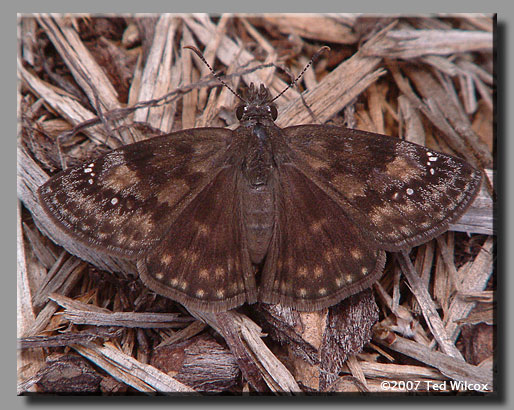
{"points": [[258, 209]]}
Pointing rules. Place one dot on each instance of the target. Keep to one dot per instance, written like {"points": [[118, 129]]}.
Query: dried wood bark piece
{"points": [[428, 307], [316, 27], [68, 373], [320, 342], [205, 31], [259, 365], [455, 369], [407, 44], [159, 76], [82, 313], [140, 376], [66, 339], [348, 330], [63, 103], [200, 363], [473, 277], [478, 343], [28, 362]]}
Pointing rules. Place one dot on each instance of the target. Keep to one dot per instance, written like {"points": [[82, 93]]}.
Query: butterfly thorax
{"points": [[256, 118]]}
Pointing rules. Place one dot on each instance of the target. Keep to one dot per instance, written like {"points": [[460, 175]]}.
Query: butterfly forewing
{"points": [[318, 255], [124, 202], [400, 194]]}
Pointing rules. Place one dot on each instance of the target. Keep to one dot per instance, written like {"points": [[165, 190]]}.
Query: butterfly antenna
{"points": [[200, 55], [313, 59]]}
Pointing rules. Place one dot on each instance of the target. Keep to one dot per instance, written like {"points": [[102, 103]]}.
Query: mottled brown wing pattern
{"points": [[335, 200], [400, 194], [318, 256], [124, 202], [202, 261]]}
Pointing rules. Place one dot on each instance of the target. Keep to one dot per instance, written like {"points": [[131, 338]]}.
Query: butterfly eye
{"points": [[274, 112], [240, 111]]}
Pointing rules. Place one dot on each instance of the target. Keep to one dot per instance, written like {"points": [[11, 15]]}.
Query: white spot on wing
{"points": [[219, 272], [166, 259], [356, 253], [302, 271], [114, 201], [203, 229], [410, 191]]}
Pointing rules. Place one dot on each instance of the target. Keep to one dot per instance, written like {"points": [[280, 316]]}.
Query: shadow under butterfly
{"points": [[300, 216]]}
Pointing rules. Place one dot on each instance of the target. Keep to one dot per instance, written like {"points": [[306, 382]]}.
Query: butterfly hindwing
{"points": [[124, 202], [399, 193], [202, 261], [317, 255]]}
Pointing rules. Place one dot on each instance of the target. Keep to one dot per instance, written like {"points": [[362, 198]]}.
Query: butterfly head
{"points": [[257, 105]]}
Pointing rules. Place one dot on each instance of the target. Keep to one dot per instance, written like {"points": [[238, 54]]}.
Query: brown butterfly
{"points": [[300, 216]]}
